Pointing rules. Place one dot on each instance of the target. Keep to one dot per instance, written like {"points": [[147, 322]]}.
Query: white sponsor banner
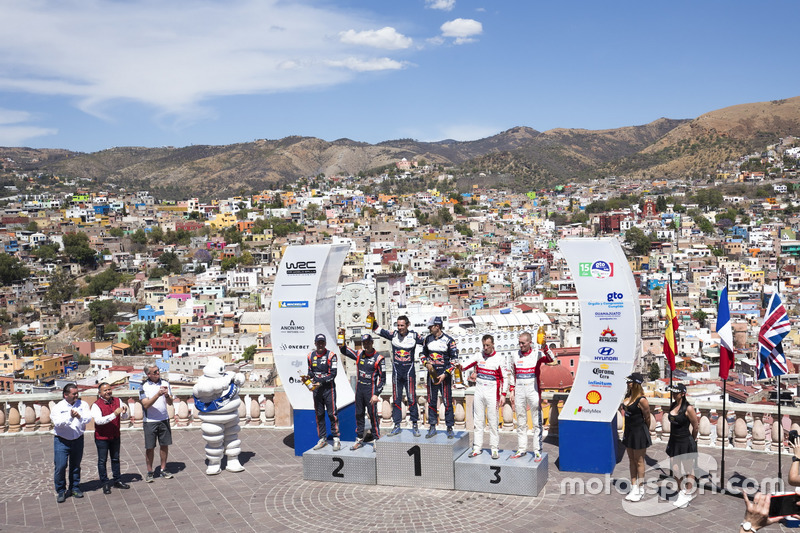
{"points": [[303, 305], [610, 327]]}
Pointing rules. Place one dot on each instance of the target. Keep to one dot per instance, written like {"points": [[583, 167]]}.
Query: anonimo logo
{"points": [[301, 268], [293, 328]]}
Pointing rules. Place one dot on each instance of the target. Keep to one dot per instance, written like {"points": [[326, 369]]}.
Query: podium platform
{"points": [[408, 461], [344, 466], [522, 476]]}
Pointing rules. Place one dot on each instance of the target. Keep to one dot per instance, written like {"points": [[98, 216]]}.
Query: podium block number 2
{"points": [[337, 472], [416, 453]]}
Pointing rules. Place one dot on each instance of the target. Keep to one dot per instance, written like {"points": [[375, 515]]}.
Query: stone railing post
{"points": [[460, 413], [45, 423], [704, 431], [652, 428], [137, 415], [509, 420], [777, 435], [423, 409], [722, 431], [740, 433], [242, 414], [255, 412], [30, 418], [14, 420], [386, 414], [620, 424], [182, 413], [758, 433], [2, 418], [665, 426], [269, 412]]}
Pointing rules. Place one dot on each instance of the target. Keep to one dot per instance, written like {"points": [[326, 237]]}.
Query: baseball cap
{"points": [[678, 388], [319, 337], [366, 337], [435, 321], [636, 377]]}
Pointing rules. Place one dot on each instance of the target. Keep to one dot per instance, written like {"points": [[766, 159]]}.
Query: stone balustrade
{"points": [[755, 427]]}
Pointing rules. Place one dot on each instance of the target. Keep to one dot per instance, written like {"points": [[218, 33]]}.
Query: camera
{"points": [[793, 437]]}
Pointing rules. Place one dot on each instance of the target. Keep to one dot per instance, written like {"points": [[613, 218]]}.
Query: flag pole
{"points": [[780, 433], [724, 409], [675, 337]]}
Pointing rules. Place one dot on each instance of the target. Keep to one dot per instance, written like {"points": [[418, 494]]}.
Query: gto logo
{"points": [[614, 296], [301, 268]]}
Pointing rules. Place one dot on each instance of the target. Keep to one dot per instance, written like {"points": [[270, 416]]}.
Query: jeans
{"points": [[104, 448], [67, 451]]}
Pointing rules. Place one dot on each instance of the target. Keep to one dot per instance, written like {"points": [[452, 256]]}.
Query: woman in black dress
{"points": [[636, 436], [682, 445]]}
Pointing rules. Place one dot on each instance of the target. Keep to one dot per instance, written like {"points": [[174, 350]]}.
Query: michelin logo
{"points": [[292, 304]]}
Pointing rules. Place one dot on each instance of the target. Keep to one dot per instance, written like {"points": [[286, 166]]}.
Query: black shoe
{"points": [[121, 485], [431, 432], [62, 497], [78, 493], [107, 489], [450, 433], [415, 431]]}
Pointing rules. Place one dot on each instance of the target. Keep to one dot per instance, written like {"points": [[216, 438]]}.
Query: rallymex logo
{"points": [[301, 268], [608, 335]]}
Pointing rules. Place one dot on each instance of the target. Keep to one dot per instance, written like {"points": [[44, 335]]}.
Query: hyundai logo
{"points": [[605, 350]]}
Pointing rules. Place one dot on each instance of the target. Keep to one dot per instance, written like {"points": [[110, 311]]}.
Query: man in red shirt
{"points": [[106, 413]]}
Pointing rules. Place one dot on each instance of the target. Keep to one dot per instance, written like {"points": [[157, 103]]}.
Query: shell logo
{"points": [[593, 397]]}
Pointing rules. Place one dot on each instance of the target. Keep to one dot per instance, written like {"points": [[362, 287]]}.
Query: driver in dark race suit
{"points": [[404, 344], [439, 353], [371, 377], [322, 369]]}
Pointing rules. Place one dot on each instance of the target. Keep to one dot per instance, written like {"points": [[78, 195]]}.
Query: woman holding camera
{"points": [[636, 436], [682, 444]]}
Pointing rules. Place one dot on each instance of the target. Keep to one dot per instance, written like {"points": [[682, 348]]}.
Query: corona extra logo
{"points": [[593, 397]]}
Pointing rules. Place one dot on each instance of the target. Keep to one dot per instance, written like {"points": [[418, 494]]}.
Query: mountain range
{"points": [[523, 157]]}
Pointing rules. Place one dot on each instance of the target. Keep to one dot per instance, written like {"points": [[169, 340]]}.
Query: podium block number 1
{"points": [[416, 453]]}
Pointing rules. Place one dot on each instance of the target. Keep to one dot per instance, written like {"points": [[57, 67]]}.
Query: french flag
{"points": [[725, 332]]}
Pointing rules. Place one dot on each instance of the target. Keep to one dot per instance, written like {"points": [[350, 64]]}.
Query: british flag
{"points": [[771, 361]]}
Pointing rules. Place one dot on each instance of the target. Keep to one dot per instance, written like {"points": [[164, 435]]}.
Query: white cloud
{"points": [[444, 5], [13, 133], [386, 38], [361, 65], [175, 56], [467, 132], [462, 30]]}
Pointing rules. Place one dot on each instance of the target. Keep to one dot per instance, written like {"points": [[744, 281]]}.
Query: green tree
{"points": [[102, 311], [654, 373], [703, 224], [32, 226], [61, 289], [46, 251], [156, 234], [661, 204], [76, 247], [314, 212], [249, 352], [170, 262], [116, 232], [701, 317], [139, 237], [105, 281], [228, 263], [12, 270], [444, 215], [639, 242]]}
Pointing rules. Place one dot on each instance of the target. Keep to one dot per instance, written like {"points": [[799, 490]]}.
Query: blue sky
{"points": [[88, 75]]}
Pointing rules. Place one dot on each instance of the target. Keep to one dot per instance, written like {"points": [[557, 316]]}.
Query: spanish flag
{"points": [[670, 335]]}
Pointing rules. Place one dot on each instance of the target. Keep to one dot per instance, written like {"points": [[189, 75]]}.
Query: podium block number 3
{"points": [[416, 453], [496, 479]]}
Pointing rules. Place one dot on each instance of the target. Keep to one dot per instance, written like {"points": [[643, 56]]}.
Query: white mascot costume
{"points": [[216, 397]]}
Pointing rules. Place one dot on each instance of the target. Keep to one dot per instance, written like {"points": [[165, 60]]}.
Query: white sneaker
{"points": [[476, 452], [321, 444], [633, 494], [683, 499], [337, 444]]}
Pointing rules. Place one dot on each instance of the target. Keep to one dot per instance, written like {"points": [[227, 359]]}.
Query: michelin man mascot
{"points": [[216, 397]]}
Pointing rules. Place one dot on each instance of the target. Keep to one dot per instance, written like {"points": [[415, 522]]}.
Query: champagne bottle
{"points": [[340, 337], [310, 385], [370, 319], [541, 337], [458, 377]]}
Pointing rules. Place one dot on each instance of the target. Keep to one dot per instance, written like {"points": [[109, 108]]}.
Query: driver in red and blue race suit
{"points": [[371, 378], [440, 355], [404, 344]]}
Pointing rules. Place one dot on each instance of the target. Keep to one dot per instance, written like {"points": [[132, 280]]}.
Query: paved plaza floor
{"points": [[271, 495]]}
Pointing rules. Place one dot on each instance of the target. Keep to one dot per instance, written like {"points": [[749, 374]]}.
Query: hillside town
{"points": [[98, 280]]}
